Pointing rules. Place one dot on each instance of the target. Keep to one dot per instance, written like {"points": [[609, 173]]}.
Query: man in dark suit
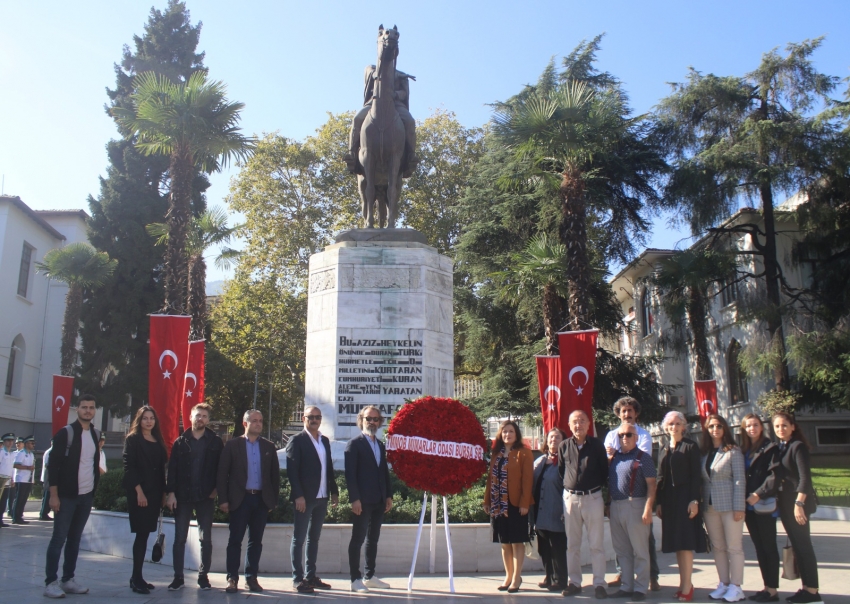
{"points": [[368, 478], [310, 469], [248, 486]]}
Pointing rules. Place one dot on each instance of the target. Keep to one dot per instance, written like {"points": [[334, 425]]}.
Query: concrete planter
{"points": [[472, 545]]}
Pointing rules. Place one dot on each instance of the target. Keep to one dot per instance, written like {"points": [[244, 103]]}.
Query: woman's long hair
{"points": [[498, 443], [797, 434], [728, 437], [748, 445], [136, 426]]}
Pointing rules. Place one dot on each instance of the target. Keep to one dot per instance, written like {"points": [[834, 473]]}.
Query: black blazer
{"points": [[367, 481], [762, 474], [685, 469], [233, 473], [794, 468], [180, 465], [63, 472], [304, 468], [145, 466]]}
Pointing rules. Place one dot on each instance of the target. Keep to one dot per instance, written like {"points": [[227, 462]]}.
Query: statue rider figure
{"points": [[401, 95]]}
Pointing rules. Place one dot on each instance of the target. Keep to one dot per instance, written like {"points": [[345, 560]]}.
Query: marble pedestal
{"points": [[379, 331]]}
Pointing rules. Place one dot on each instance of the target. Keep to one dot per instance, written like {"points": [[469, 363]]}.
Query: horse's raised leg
{"points": [[361, 187], [368, 188], [393, 192]]}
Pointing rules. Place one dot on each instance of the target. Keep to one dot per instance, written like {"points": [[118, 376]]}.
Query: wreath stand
{"points": [[433, 540]]}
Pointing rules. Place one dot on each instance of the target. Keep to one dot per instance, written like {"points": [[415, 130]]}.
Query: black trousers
{"points": [[5, 497], [182, 517], [762, 529], [552, 546], [45, 500], [366, 526], [23, 493], [800, 536]]}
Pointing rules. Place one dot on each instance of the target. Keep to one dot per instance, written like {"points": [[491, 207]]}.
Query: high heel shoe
{"points": [[513, 590], [142, 588], [686, 597]]}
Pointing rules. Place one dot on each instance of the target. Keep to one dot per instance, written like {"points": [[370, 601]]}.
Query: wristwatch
{"points": [[801, 504]]}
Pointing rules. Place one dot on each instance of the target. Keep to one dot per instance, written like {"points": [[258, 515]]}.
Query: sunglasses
{"points": [[313, 417], [372, 419], [715, 427], [627, 435]]}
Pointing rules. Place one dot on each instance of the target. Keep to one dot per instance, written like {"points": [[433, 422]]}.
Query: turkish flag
{"points": [[63, 390], [578, 366], [549, 383], [193, 393], [169, 357], [706, 394]]}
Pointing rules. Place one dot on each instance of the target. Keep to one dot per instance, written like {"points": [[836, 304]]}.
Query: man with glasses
{"points": [[628, 410], [310, 470], [368, 478], [631, 487]]}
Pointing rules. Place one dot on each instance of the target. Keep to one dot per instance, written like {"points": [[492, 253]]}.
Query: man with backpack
{"points": [[72, 475]]}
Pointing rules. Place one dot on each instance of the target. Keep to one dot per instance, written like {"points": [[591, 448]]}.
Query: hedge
{"points": [[407, 503]]}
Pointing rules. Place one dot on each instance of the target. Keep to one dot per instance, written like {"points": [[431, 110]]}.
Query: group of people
{"points": [[243, 474], [17, 466], [703, 493]]}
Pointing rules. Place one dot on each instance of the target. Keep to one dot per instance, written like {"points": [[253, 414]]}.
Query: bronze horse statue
{"points": [[382, 140]]}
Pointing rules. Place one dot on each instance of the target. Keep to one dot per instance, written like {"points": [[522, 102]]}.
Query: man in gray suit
{"points": [[248, 488]]}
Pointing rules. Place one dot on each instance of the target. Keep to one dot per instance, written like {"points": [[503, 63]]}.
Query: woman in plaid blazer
{"points": [[724, 483]]}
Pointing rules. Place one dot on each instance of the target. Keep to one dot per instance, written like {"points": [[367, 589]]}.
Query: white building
{"points": [[31, 313], [736, 391]]}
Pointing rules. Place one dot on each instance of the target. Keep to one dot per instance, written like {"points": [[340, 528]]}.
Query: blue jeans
{"points": [[308, 524], [366, 526], [252, 515], [68, 525]]}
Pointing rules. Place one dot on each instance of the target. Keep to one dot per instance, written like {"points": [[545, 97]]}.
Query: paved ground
{"points": [[22, 551]]}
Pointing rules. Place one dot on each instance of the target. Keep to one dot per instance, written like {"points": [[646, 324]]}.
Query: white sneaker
{"points": [[72, 587], [357, 585], [53, 590], [376, 583], [718, 593], [734, 594]]}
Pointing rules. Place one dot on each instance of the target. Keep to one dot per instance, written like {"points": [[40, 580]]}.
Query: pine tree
{"points": [[114, 359]]}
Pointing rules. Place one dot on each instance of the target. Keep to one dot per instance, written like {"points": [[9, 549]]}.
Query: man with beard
{"points": [[192, 474], [370, 491]]}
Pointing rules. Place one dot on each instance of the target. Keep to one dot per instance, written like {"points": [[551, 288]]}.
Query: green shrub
{"points": [[109, 491]]}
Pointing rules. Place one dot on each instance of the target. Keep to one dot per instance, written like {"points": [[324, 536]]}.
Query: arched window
{"points": [[646, 313], [737, 378], [15, 368]]}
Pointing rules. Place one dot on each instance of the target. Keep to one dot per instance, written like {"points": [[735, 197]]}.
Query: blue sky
{"points": [[291, 62]]}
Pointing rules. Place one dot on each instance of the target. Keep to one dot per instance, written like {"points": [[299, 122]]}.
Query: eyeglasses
{"points": [[313, 417], [627, 435], [372, 419], [715, 427]]}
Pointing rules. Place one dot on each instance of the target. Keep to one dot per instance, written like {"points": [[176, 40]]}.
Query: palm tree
{"points": [[580, 142], [80, 266], [683, 281], [541, 265], [195, 125], [208, 230]]}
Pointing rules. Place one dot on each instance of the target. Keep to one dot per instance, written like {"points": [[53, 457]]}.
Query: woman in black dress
{"points": [[145, 458], [679, 493]]}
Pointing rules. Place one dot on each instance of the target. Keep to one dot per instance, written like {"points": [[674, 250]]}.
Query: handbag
{"points": [[765, 506], [789, 563], [159, 545]]}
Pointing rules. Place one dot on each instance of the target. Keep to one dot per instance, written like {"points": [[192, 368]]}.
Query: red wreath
{"points": [[437, 419]]}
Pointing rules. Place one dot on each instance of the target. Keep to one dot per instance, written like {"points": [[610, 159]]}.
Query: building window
{"points": [[737, 378], [833, 436], [646, 313], [15, 368], [729, 290], [24, 274]]}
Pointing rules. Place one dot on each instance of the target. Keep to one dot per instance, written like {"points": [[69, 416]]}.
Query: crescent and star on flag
{"points": [[59, 404], [194, 378], [168, 353], [583, 371]]}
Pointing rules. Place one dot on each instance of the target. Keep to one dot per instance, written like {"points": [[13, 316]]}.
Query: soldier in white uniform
{"points": [[24, 470], [7, 462]]}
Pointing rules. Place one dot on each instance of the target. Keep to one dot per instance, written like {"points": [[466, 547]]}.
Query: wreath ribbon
{"points": [[417, 444]]}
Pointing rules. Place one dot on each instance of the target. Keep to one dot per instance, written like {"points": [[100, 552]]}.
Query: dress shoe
{"points": [[317, 583], [600, 593], [653, 585], [616, 581], [623, 594], [232, 586], [571, 590], [252, 584], [544, 584], [303, 587]]}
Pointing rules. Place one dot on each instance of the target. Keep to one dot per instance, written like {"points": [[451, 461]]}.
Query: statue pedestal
{"points": [[379, 331]]}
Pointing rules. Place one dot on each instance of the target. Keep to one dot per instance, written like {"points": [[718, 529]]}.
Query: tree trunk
{"points": [[573, 232], [238, 428], [551, 317], [71, 327], [696, 318], [181, 170], [198, 296]]}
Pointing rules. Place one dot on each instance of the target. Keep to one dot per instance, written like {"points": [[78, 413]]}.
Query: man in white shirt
{"points": [[628, 410], [7, 463], [24, 470], [310, 470], [45, 487]]}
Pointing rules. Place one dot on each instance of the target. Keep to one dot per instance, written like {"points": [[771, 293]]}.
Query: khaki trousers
{"points": [[585, 511], [726, 537]]}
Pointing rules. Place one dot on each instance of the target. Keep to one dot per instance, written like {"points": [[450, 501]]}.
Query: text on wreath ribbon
{"points": [[417, 444]]}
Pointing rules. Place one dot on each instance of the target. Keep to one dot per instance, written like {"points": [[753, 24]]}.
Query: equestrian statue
{"points": [[382, 142]]}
